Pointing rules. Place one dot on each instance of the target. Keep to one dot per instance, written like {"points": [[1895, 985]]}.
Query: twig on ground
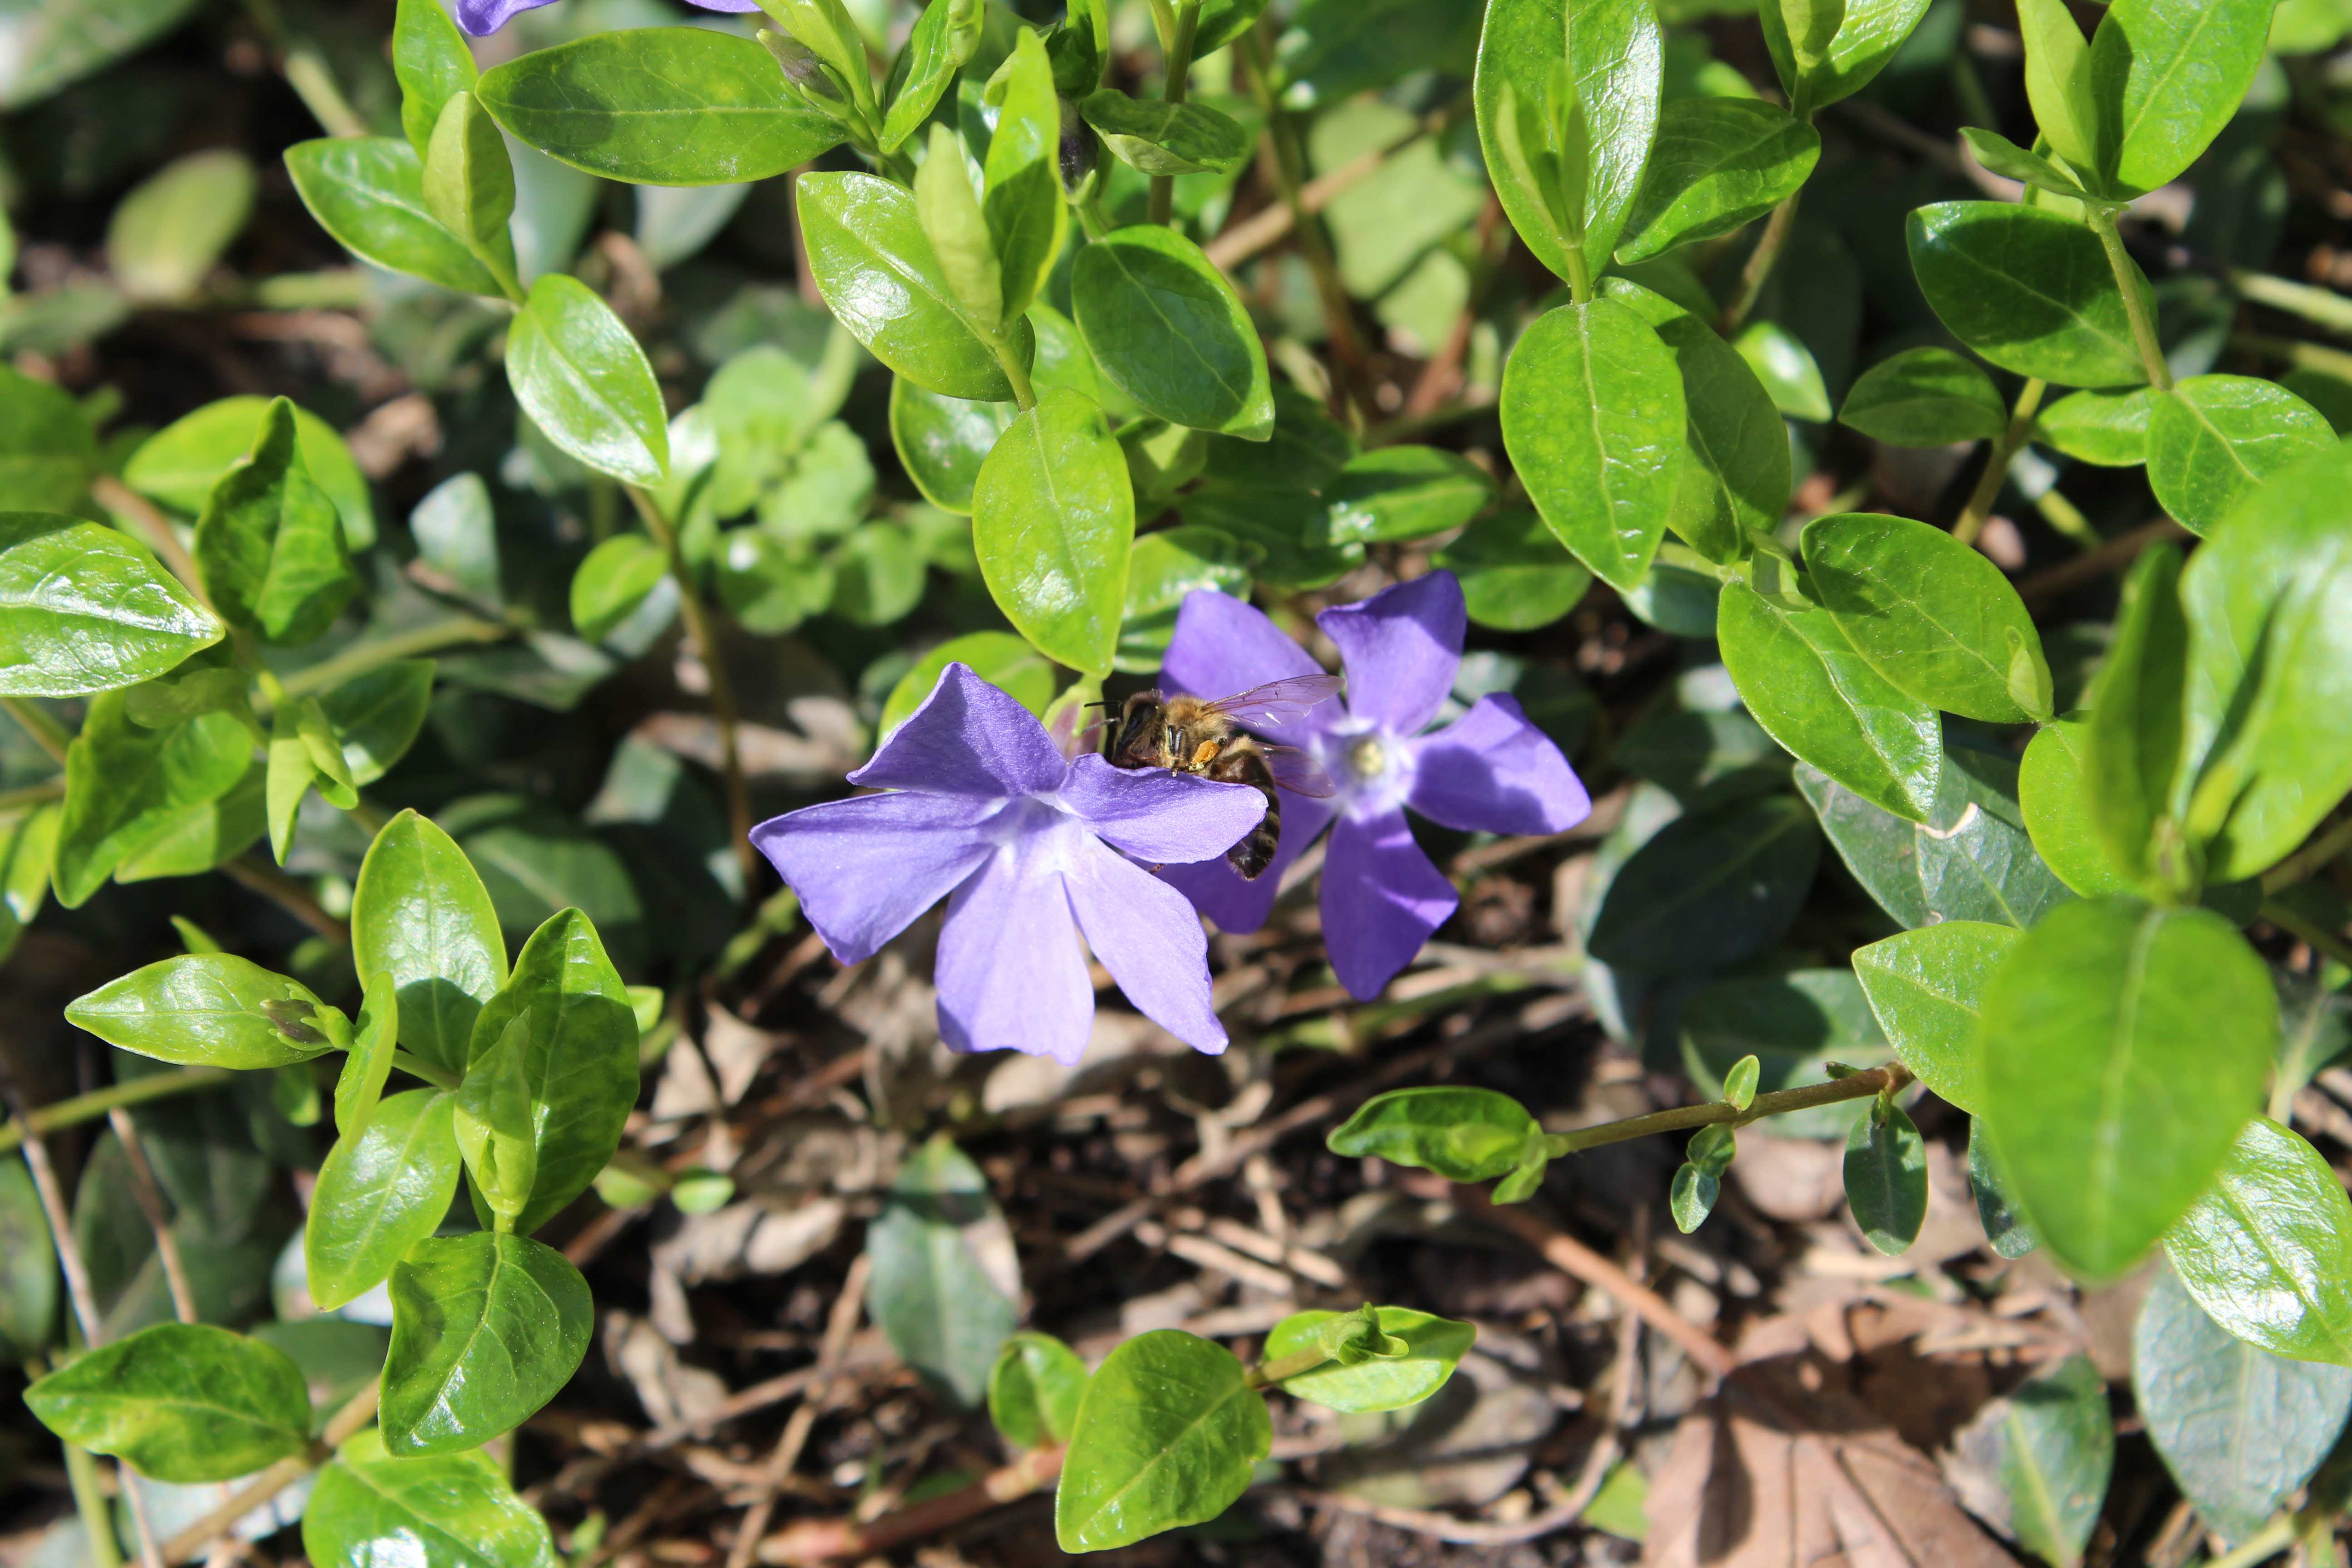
{"points": [[149, 1195], [839, 1326]]}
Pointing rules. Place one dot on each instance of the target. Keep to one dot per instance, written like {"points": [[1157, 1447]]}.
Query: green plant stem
{"points": [[98, 1102], [2302, 355], [48, 733], [2138, 307], [1289, 168], [306, 71], [2010, 442], [2304, 931], [2265, 1543], [1282, 1369], [1688, 1117], [32, 795], [722, 689], [340, 1427], [359, 659], [2323, 308], [1761, 262], [416, 1067], [1179, 83], [2311, 860], [90, 1502], [1024, 394], [287, 893]]}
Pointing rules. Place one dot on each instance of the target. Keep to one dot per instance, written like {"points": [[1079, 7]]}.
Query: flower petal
{"points": [[483, 17], [1401, 648], [1223, 647], [1491, 770], [1240, 906], [1011, 974], [864, 868], [1161, 816], [1382, 897], [969, 739], [1150, 941]]}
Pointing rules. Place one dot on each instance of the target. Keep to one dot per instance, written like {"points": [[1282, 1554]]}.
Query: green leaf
{"points": [[2048, 1449], [1594, 419], [433, 63], [1033, 1391], [1709, 890], [1786, 369], [945, 1286], [420, 915], [1609, 56], [180, 464], [1406, 492], [49, 446], [863, 231], [211, 1009], [2216, 438], [385, 1186], [1805, 684], [2028, 288], [1735, 468], [1925, 397], [1739, 1083], [612, 580], [377, 716], [494, 1123], [368, 1065], [579, 1056], [2106, 429], [1307, 450], [2172, 72], [2269, 670], [1864, 36], [1003, 661], [486, 1329], [1021, 200], [54, 43], [1692, 1197], [28, 1267], [2267, 1250], [943, 41], [1931, 615], [1971, 860], [452, 1510], [1996, 1211], [289, 776], [2058, 84], [1802, 1027], [1927, 988], [1999, 154], [1162, 569], [84, 610], [770, 585], [2123, 1048], [1463, 1135], [1432, 1345], [584, 381], [1168, 1434], [170, 231], [1223, 21], [29, 841], [957, 226], [1719, 164], [2054, 795], [1516, 576], [659, 106], [368, 193], [1161, 138], [185, 1402], [1290, 529], [131, 788], [1053, 515], [270, 545], [1167, 329], [2132, 755], [469, 184], [2239, 1428], [1886, 1178]]}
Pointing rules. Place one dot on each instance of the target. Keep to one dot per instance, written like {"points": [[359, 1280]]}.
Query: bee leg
{"points": [[1246, 766]]}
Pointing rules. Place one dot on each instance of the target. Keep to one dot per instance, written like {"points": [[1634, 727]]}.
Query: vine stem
{"points": [[362, 659], [1762, 260], [46, 733], [287, 893], [1780, 1102], [1025, 393], [1179, 83], [2005, 449], [2138, 307], [91, 1106], [722, 689], [343, 1425], [1289, 168]]}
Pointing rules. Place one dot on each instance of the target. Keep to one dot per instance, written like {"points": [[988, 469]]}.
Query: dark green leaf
{"points": [[28, 1267], [2267, 1248], [1053, 515], [943, 441], [2123, 1048], [1021, 202], [1406, 492], [945, 1286], [1516, 576], [1925, 397], [2216, 438], [1168, 1434], [1463, 1135], [368, 192], [1291, 529], [1970, 860], [452, 1510], [270, 543], [212, 1009], [486, 1329], [2175, 71], [1308, 449], [1162, 138], [613, 580], [579, 373], [1033, 1391], [1167, 329], [180, 464], [2106, 429], [420, 913], [377, 716], [1433, 1346], [1886, 1178], [1719, 164], [185, 1403], [1709, 890], [383, 1188], [84, 610], [433, 63], [2044, 1453], [1163, 568], [2029, 289], [1927, 988]]}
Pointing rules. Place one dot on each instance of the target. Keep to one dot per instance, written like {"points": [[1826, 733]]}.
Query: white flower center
{"points": [[1372, 768]]}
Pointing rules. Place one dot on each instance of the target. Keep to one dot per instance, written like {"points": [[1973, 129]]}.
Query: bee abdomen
{"points": [[1245, 765]]}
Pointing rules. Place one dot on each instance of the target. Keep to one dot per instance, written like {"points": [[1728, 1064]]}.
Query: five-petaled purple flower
{"points": [[1489, 771], [984, 807], [483, 17]]}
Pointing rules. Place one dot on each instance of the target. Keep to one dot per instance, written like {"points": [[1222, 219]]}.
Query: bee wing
{"points": [[1278, 702], [1296, 771]]}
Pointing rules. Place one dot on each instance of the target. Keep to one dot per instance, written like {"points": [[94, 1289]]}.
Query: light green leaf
{"points": [[185, 1402], [1786, 369], [377, 716], [288, 780], [2267, 1250], [1161, 138], [2026, 288], [84, 610], [469, 184], [385, 1186], [1053, 515], [451, 1511], [2172, 73], [2058, 84], [2132, 756], [1022, 195], [1864, 36], [1925, 397], [368, 1065], [486, 1329], [1719, 164], [943, 41], [180, 464], [945, 1286], [1168, 1434], [1999, 154], [1516, 574], [270, 545], [2106, 429], [368, 192], [433, 63], [2214, 440], [1406, 492], [1432, 1345], [1927, 988], [131, 789], [420, 913], [1692, 1197], [170, 230], [957, 226], [584, 381], [1167, 329], [212, 1009], [50, 44], [1463, 1135], [2055, 795], [1033, 1391], [613, 580]]}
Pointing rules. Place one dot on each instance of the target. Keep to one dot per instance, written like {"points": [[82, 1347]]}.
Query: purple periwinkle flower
{"points": [[483, 17], [1491, 770], [984, 811]]}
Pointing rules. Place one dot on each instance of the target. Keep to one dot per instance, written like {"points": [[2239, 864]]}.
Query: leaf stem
{"points": [[81, 1107], [2138, 307], [722, 689], [48, 733], [1025, 393], [2263, 1544], [1173, 90], [90, 1502], [1282, 1369], [1686, 1118], [285, 892], [416, 1067], [360, 659], [2004, 450]]}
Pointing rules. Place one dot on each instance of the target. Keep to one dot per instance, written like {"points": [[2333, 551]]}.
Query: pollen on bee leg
{"points": [[1205, 754]]}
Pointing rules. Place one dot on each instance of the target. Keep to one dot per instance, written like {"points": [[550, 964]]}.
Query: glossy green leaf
{"points": [[368, 192], [1927, 988], [212, 1009], [2214, 439], [944, 39], [2058, 84], [1786, 369], [1709, 890], [2269, 670], [2122, 1049], [1033, 1391], [1594, 419], [1291, 531], [28, 1267], [451, 1511], [1463, 1135], [1161, 138], [1925, 397], [1053, 515], [180, 464], [53, 42], [1168, 1434], [1021, 199], [1516, 576], [1970, 859], [1308, 448], [613, 581], [486, 1329], [270, 543], [1223, 21], [1800, 1027], [2026, 288], [469, 184], [1999, 154], [494, 1123], [1162, 569], [2046, 1450], [1931, 615], [579, 373], [2173, 72], [1719, 164], [2106, 429], [433, 63], [1406, 492], [2239, 1428], [383, 1188], [185, 1402], [2054, 795], [377, 716], [130, 788], [28, 842], [945, 1286], [1864, 36], [943, 441], [84, 608], [861, 231], [2132, 755], [1167, 329], [1432, 1347], [1692, 1196], [2267, 1250], [289, 776], [367, 1067], [1886, 1178], [1805, 684], [420, 913], [1739, 1083], [658, 106]]}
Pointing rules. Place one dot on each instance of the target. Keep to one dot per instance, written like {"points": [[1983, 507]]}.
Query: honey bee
{"points": [[1189, 735]]}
